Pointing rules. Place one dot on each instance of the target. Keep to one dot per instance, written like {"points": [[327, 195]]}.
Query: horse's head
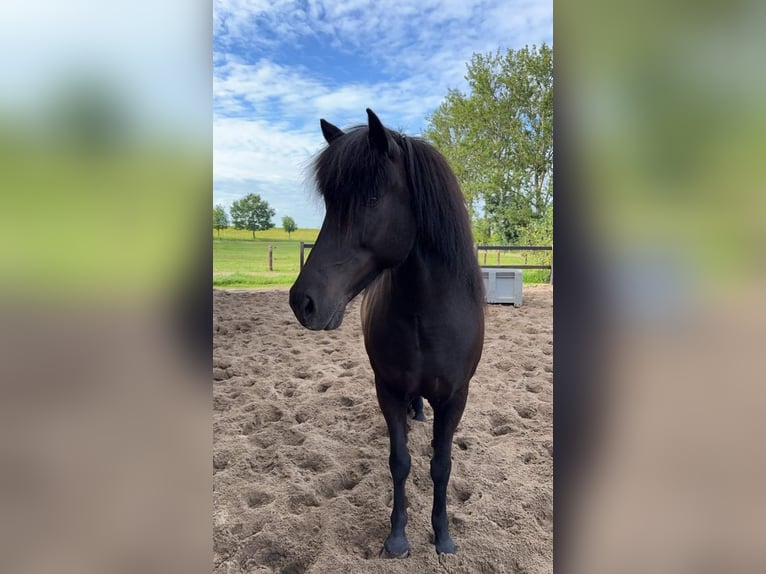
{"points": [[369, 225]]}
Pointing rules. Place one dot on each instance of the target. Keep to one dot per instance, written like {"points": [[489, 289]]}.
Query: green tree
{"points": [[288, 224], [499, 138], [251, 212], [538, 232], [220, 219], [482, 231]]}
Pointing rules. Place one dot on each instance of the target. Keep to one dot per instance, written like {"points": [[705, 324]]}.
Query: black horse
{"points": [[396, 224]]}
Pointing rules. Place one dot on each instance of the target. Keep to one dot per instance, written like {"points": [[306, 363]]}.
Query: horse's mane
{"points": [[349, 171]]}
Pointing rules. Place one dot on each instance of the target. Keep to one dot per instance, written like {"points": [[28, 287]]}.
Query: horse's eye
{"points": [[373, 201]]}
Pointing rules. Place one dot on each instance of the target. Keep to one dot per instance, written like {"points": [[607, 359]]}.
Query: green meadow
{"points": [[239, 261]]}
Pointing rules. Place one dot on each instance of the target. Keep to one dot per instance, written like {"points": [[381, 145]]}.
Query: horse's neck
{"points": [[422, 275]]}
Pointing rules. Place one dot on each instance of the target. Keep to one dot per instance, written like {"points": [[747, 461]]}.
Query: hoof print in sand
{"points": [[462, 491], [314, 462], [332, 484], [463, 443], [322, 387], [526, 411], [258, 498]]}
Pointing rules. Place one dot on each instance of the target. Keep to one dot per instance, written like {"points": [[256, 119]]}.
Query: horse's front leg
{"points": [[395, 412], [446, 418]]}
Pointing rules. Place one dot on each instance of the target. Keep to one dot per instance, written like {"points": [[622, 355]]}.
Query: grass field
{"points": [[239, 261]]}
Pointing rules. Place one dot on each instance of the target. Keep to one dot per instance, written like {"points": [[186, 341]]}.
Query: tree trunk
{"points": [[253, 230]]}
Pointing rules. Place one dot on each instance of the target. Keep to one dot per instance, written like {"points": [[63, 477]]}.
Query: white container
{"points": [[502, 285]]}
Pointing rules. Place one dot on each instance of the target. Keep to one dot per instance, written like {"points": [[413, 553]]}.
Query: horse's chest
{"points": [[410, 344], [395, 340]]}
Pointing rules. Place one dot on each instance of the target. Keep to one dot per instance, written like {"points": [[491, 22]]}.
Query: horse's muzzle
{"points": [[311, 315]]}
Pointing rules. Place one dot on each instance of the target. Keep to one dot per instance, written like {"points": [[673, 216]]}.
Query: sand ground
{"points": [[301, 479]]}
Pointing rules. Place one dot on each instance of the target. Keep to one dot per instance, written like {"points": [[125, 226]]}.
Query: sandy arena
{"points": [[301, 479]]}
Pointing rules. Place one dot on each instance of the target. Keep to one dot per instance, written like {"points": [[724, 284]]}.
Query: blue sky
{"points": [[280, 65]]}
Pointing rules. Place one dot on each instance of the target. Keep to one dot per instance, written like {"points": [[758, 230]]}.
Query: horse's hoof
{"points": [[446, 547], [400, 550], [386, 554], [420, 417]]}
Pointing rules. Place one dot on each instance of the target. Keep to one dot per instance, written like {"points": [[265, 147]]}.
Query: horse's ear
{"points": [[378, 136], [329, 131]]}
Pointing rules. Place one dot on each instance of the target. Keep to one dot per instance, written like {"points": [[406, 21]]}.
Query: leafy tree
{"points": [[288, 224], [482, 231], [538, 232], [251, 212], [220, 219], [499, 138]]}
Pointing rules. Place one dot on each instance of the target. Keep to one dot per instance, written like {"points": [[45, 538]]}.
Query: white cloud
{"points": [[254, 156], [422, 48], [429, 38], [255, 149], [299, 99]]}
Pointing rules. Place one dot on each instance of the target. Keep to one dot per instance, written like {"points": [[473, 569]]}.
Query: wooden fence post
{"points": [[271, 259], [302, 248]]}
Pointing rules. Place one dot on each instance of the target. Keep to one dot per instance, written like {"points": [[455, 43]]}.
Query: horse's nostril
{"points": [[308, 306]]}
